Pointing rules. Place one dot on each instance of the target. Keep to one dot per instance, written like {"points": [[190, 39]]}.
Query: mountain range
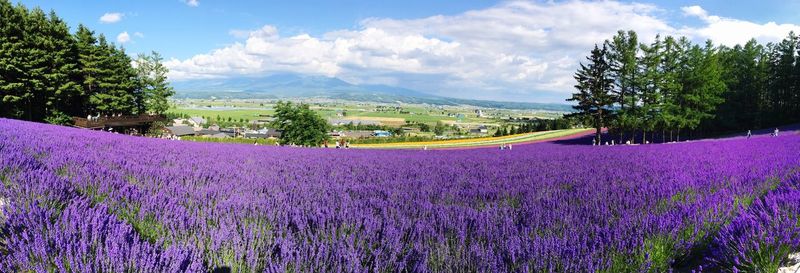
{"points": [[280, 86]]}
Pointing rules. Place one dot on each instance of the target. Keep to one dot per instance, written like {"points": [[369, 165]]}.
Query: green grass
{"points": [[252, 114], [236, 114], [487, 141]]}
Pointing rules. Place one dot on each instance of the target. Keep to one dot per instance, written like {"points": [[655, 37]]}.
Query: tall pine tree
{"points": [[623, 49], [594, 87]]}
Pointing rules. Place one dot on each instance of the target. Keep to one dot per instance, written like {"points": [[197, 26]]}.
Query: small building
{"points": [[179, 130], [340, 122], [206, 132], [263, 133], [219, 135], [119, 123], [356, 134], [197, 121], [479, 130], [213, 127], [479, 113]]}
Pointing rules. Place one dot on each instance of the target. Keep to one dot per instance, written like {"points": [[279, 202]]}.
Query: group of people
{"points": [[341, 143], [505, 146], [97, 117], [774, 133], [612, 143]]}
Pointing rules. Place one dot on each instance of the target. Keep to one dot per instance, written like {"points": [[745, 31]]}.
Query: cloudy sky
{"points": [[502, 50]]}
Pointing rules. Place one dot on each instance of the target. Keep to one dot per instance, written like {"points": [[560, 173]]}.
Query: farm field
{"points": [[251, 109], [85, 201], [479, 142]]}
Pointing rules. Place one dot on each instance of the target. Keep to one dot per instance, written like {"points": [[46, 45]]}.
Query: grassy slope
{"points": [[477, 142]]}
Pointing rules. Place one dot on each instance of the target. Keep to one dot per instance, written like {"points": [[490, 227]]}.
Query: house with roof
{"points": [[263, 133], [197, 121], [340, 122], [479, 130], [179, 131]]}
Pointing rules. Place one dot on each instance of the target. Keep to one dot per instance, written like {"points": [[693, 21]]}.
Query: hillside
{"points": [[97, 201]]}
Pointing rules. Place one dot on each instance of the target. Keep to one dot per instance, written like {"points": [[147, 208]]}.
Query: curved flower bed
{"points": [[92, 201]]}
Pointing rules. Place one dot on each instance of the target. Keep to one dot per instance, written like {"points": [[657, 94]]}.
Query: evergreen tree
{"points": [[155, 88], [13, 95], [64, 92], [594, 90], [649, 84], [669, 116], [744, 70], [89, 67], [702, 87], [782, 81], [622, 51]]}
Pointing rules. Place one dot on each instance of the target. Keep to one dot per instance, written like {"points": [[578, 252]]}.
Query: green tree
{"points": [[622, 51], [299, 124], [594, 87], [669, 116], [64, 92], [424, 127], [12, 51], [439, 129], [650, 83], [89, 66], [783, 60], [152, 75], [702, 87]]}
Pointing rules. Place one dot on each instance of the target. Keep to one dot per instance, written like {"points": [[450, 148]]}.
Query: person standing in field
{"points": [[776, 132], [749, 134]]}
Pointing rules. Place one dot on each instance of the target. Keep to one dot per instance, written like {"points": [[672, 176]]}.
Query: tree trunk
{"points": [[644, 136], [599, 125]]}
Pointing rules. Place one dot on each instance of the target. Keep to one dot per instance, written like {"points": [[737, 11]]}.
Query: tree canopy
{"points": [[49, 74], [670, 86], [594, 87], [299, 124]]}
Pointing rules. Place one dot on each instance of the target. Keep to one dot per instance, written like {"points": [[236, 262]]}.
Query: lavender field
{"points": [[83, 201]]}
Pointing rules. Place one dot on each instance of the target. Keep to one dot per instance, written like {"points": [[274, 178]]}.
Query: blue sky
{"points": [[506, 50]]}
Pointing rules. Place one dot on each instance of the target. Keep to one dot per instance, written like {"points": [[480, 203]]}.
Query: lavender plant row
{"points": [[85, 201]]}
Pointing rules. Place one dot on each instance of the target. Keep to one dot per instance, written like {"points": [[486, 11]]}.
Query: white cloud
{"points": [[111, 17], [138, 34], [729, 31], [123, 37], [192, 3], [515, 49]]}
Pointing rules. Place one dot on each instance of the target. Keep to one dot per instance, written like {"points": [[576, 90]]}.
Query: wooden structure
{"points": [[140, 121]]}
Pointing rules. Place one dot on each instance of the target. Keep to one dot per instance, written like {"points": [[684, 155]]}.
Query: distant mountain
{"points": [[280, 86]]}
